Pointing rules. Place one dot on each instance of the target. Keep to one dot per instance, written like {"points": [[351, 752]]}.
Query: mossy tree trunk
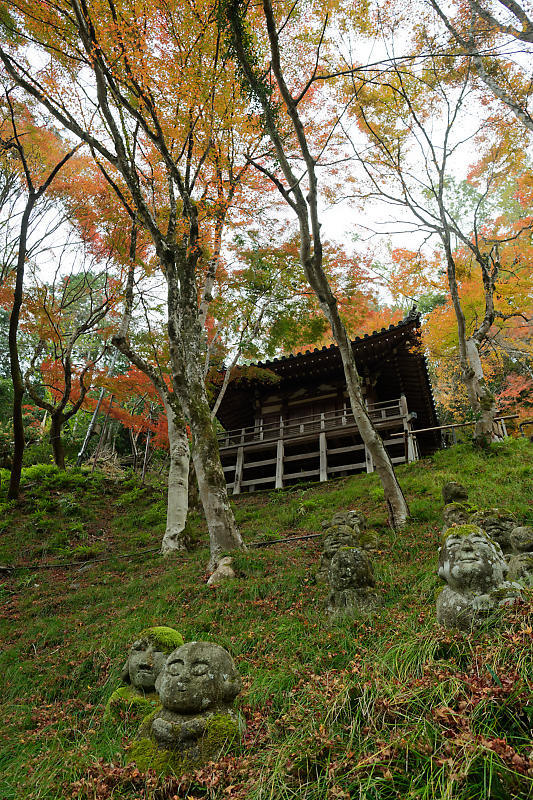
{"points": [[187, 351], [482, 400]]}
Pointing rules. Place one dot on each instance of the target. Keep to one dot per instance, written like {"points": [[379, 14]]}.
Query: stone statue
{"points": [[354, 519], [196, 687], [224, 572], [498, 525], [453, 492], [146, 659], [456, 514], [521, 559], [474, 569], [337, 536], [352, 583]]}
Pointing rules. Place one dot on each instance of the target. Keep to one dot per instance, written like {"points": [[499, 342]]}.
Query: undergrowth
{"points": [[393, 707]]}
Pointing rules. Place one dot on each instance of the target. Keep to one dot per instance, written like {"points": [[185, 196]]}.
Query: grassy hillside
{"points": [[391, 708]]}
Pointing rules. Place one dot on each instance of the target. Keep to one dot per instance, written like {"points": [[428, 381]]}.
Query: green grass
{"points": [[392, 707]]}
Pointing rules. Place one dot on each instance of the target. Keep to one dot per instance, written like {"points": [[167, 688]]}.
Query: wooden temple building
{"points": [[299, 426]]}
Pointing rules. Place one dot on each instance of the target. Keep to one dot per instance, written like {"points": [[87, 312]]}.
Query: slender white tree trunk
{"points": [[187, 350], [178, 483]]}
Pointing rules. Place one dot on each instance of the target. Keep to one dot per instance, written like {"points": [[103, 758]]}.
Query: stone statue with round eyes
{"points": [[196, 723], [146, 658], [352, 583], [474, 569]]}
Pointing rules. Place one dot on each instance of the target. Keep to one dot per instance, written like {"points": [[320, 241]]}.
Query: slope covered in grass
{"points": [[387, 708]]}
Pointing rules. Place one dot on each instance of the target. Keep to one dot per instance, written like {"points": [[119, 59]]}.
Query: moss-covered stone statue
{"points": [[352, 583], [521, 559], [497, 524], [336, 536], [146, 659], [453, 492], [196, 723], [474, 568], [456, 514]]}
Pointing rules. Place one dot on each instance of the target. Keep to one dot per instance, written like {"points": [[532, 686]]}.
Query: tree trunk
{"points": [[16, 373], [58, 450], [186, 340], [394, 497], [178, 482], [305, 206], [481, 398]]}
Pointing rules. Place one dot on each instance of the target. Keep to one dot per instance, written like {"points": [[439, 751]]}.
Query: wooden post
{"points": [[279, 465], [323, 446], [238, 470], [368, 459]]}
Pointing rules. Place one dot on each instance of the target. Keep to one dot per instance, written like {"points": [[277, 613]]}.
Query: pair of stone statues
{"points": [[473, 562], [189, 693]]}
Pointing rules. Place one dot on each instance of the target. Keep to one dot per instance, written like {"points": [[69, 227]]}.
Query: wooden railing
{"points": [[389, 410]]}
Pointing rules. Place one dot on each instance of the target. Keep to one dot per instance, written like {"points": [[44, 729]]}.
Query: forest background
{"points": [[167, 176]]}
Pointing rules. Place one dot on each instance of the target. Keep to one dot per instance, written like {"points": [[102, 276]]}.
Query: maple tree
{"points": [[163, 111], [67, 320], [496, 38], [412, 115], [36, 165], [263, 42]]}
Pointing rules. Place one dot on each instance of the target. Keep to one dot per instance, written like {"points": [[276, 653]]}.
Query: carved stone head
{"points": [[498, 525], [198, 676], [350, 569], [354, 519], [148, 655], [470, 561], [338, 536], [522, 539], [456, 514], [453, 492]]}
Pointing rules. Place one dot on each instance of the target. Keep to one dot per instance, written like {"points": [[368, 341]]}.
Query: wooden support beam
{"points": [[237, 482], [279, 465], [323, 457]]}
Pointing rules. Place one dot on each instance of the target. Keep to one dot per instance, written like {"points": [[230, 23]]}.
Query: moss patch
{"points": [[165, 639], [222, 731], [464, 530], [128, 702]]}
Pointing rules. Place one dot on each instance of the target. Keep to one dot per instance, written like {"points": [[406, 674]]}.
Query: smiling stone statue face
{"points": [[198, 676], [470, 561], [145, 662]]}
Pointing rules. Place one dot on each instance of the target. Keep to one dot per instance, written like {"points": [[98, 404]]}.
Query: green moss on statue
{"points": [[166, 639], [127, 703], [460, 530], [222, 733]]}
